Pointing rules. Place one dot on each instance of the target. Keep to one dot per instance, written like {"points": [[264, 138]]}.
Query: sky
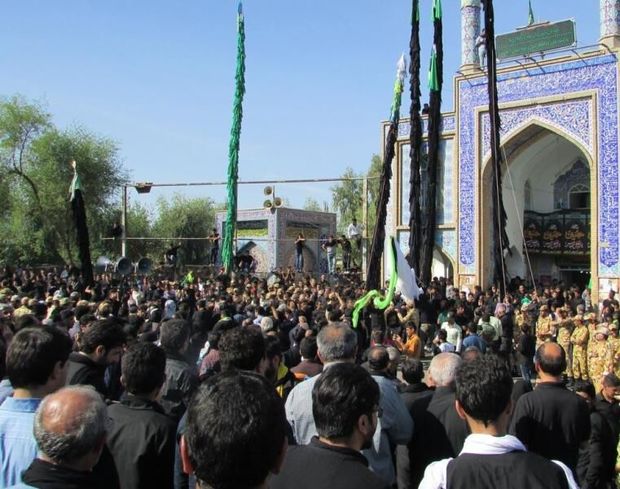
{"points": [[157, 77]]}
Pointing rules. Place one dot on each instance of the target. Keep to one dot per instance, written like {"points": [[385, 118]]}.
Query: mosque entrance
{"points": [[546, 193]]}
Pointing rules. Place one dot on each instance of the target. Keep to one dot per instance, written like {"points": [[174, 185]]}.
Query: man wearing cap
{"points": [[599, 356], [579, 341], [614, 342], [544, 329], [564, 328]]}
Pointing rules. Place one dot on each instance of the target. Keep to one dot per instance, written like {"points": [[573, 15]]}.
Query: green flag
{"points": [[433, 78], [436, 10], [530, 20]]}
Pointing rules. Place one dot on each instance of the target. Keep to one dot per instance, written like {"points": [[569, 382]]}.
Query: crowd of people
{"points": [[239, 382]]}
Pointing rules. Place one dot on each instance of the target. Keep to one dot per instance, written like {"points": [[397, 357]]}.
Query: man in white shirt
{"points": [[354, 233]]}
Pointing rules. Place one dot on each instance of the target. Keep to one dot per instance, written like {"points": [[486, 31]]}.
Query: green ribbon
{"points": [[437, 13], [433, 77], [379, 301], [531, 14]]}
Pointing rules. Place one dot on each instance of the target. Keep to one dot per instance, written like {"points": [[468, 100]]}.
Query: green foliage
{"points": [[182, 217], [311, 204], [35, 174], [348, 196]]}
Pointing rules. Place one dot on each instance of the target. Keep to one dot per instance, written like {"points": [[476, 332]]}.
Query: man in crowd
{"points": [[100, 345], [181, 377], [395, 426], [70, 430], [241, 448], [346, 409], [36, 365], [490, 458], [552, 421], [337, 344], [439, 431], [141, 436]]}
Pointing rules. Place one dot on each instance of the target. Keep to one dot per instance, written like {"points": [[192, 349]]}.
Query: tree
{"points": [[35, 174], [311, 204], [347, 198], [183, 217]]}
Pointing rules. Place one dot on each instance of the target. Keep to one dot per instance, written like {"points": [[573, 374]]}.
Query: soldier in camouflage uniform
{"points": [[614, 342], [599, 357], [564, 328], [579, 342], [592, 324], [544, 328]]}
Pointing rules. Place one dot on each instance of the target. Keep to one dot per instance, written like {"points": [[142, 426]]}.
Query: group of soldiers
{"points": [[592, 347]]}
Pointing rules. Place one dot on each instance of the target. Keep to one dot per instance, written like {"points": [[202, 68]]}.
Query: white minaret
{"points": [[610, 22], [470, 30]]}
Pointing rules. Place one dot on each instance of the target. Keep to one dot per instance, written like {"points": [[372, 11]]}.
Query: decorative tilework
{"points": [[610, 18], [445, 239], [470, 30], [447, 124], [573, 118], [598, 73]]}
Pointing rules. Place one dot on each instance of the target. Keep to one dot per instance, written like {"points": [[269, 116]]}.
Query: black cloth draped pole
{"points": [[415, 140], [429, 222], [500, 238]]}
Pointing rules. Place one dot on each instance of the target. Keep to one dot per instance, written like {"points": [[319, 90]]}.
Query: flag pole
{"points": [[233, 148]]}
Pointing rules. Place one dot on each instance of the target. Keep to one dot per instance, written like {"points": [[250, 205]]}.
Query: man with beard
{"points": [[345, 405]]}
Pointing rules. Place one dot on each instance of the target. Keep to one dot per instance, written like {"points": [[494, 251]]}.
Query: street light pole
{"points": [[124, 221]]}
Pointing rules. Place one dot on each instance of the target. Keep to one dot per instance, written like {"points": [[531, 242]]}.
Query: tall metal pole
{"points": [[365, 226], [124, 221]]}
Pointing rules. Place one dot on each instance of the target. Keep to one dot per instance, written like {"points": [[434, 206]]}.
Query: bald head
{"points": [[70, 424], [551, 359], [442, 369]]}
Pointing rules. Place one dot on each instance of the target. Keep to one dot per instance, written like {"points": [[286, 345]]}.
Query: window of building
{"points": [[579, 197]]}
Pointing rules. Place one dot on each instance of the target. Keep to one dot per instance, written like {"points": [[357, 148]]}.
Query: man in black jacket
{"points": [[552, 421], [597, 460], [100, 346], [345, 405], [438, 430], [181, 377], [490, 458], [236, 431], [141, 436]]}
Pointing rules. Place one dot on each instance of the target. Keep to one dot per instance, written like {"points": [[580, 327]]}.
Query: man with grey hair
{"points": [[439, 432], [336, 343], [70, 429]]}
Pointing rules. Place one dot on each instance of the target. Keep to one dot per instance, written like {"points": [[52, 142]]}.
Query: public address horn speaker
{"points": [[268, 190], [122, 266], [277, 202], [143, 266], [268, 204]]}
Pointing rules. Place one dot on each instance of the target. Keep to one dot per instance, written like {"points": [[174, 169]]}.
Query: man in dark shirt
{"points": [[345, 406], [181, 377], [100, 346], [491, 458], [141, 437], [552, 421]]}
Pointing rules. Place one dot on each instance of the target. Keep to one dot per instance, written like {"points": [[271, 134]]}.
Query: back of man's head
{"points": [[308, 348], [33, 355], [551, 359], [378, 358], [70, 424], [337, 342], [483, 388], [241, 348], [413, 371], [236, 431], [342, 394], [143, 368], [443, 367], [106, 333], [174, 335]]}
